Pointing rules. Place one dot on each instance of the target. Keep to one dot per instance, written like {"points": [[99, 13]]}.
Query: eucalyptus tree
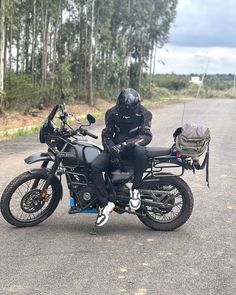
{"points": [[2, 48], [101, 45]]}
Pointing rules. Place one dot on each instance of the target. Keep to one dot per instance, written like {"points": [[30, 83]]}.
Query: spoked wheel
{"points": [[166, 203], [24, 203]]}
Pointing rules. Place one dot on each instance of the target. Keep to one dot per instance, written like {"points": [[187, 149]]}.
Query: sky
{"points": [[202, 39]]}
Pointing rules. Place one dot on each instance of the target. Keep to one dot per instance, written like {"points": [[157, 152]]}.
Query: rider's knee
{"points": [[139, 151]]}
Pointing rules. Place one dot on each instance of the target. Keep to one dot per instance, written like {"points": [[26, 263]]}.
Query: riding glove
{"points": [[117, 149]]}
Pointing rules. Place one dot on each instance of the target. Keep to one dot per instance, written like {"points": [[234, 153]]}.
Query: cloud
{"points": [[186, 60], [205, 23], [203, 39]]}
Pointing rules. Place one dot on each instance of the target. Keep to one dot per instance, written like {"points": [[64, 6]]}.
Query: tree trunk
{"points": [[5, 46], [10, 46], [150, 70], [54, 45], [90, 97], [140, 66], [154, 63], [33, 44], [86, 44], [10, 41], [27, 42], [45, 22], [81, 55], [18, 47], [2, 45], [106, 71]]}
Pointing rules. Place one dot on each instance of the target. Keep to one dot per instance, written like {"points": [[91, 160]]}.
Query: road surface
{"points": [[59, 256]]}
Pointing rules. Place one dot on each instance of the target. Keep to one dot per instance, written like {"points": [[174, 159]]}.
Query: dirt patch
{"points": [[15, 119]]}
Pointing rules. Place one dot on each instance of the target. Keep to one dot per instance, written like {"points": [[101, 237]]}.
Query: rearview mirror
{"points": [[91, 119]]}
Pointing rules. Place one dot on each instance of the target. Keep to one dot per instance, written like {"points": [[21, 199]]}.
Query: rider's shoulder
{"points": [[112, 111], [144, 110]]}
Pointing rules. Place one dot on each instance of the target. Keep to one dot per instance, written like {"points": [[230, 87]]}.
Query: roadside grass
{"points": [[99, 115], [29, 130], [18, 132]]}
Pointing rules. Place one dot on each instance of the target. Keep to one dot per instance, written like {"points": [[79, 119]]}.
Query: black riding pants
{"points": [[101, 164]]}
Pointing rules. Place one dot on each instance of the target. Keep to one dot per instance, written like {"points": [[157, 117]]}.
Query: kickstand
{"points": [[94, 230]]}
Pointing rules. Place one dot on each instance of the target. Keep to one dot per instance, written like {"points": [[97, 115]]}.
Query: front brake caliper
{"points": [[44, 194]]}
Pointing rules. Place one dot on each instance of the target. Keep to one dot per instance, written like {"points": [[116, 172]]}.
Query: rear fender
{"points": [[44, 172]]}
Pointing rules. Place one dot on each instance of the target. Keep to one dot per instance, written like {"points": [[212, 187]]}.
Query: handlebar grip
{"points": [[92, 135], [86, 132], [53, 112]]}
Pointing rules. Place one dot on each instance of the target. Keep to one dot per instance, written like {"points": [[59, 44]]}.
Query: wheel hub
{"points": [[32, 201], [170, 203]]}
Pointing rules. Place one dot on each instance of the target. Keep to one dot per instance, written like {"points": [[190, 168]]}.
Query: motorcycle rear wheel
{"points": [[178, 196], [22, 202]]}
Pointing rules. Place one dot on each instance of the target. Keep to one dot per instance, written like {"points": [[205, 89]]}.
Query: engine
{"points": [[87, 196]]}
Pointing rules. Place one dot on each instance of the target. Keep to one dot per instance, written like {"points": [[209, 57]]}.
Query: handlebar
{"points": [[82, 131], [66, 133], [86, 132]]}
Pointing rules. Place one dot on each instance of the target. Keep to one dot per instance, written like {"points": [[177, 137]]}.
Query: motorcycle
{"points": [[30, 198]]}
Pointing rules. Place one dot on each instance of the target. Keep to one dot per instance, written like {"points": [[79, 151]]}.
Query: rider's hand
{"points": [[130, 144], [117, 149]]}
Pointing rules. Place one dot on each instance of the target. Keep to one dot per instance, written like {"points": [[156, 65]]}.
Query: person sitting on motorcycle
{"points": [[125, 136]]}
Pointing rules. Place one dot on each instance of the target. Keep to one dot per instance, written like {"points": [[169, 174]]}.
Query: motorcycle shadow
{"points": [[81, 227]]}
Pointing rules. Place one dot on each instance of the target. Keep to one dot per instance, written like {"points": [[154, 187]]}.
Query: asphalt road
{"points": [[125, 257]]}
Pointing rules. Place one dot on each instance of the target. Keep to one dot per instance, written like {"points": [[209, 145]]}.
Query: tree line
{"points": [[87, 47]]}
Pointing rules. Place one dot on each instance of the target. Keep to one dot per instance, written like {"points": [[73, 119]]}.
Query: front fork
{"points": [[45, 164], [50, 174]]}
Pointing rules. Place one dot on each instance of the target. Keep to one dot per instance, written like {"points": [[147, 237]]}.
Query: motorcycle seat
{"points": [[118, 175], [152, 152]]}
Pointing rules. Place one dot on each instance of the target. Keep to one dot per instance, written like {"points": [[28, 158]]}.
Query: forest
{"points": [[88, 48], [91, 49]]}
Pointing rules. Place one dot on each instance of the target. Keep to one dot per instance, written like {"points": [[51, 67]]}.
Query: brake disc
{"points": [[32, 201]]}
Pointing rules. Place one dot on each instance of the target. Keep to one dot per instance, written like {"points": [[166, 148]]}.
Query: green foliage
{"points": [[191, 90], [53, 47], [214, 86], [161, 92], [172, 82], [219, 82], [64, 79], [20, 93]]}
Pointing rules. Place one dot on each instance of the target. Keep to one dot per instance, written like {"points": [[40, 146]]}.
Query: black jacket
{"points": [[120, 128]]}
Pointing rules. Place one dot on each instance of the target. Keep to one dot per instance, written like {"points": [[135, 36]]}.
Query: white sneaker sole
{"points": [[106, 217], [134, 206]]}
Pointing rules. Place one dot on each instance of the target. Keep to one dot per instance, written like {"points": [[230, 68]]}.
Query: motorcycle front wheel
{"points": [[168, 205], [23, 202]]}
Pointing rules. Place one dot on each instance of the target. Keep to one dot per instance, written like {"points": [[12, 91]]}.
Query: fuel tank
{"points": [[85, 152]]}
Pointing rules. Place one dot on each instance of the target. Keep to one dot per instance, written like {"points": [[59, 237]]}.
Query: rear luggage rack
{"points": [[159, 166]]}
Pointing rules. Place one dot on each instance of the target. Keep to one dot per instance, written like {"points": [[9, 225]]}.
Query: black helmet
{"points": [[128, 101]]}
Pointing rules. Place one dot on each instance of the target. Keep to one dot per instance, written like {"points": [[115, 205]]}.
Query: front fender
{"points": [[44, 172], [38, 157]]}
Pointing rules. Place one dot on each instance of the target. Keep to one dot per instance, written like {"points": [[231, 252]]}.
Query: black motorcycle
{"points": [[31, 197]]}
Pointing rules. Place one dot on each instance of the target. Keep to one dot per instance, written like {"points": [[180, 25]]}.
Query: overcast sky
{"points": [[202, 39]]}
